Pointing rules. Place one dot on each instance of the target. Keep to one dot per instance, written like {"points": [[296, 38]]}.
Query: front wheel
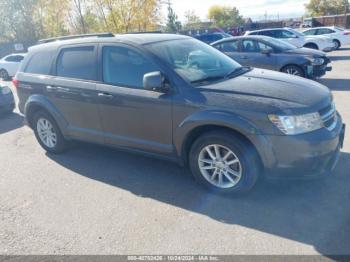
{"points": [[336, 44], [224, 163], [48, 133], [293, 70]]}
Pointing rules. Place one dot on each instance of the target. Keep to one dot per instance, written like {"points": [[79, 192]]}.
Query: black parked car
{"points": [[270, 53], [177, 98], [212, 37], [7, 102]]}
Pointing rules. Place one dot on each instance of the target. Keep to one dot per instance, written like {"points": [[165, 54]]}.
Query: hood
{"points": [[270, 91], [306, 52]]}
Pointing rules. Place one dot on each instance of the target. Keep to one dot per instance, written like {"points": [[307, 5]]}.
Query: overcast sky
{"points": [[248, 8]]}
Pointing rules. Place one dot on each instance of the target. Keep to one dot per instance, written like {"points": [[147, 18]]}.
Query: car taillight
{"points": [[15, 82], [347, 33]]}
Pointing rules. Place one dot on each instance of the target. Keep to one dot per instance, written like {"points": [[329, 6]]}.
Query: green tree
{"points": [[173, 25], [225, 16], [192, 20], [327, 7]]}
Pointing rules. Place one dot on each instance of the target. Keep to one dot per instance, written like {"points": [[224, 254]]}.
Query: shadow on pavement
{"points": [[336, 84], [315, 212], [9, 122], [339, 58]]}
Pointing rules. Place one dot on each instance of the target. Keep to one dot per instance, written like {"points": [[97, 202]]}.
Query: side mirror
{"points": [[266, 51], [295, 36], [154, 81]]}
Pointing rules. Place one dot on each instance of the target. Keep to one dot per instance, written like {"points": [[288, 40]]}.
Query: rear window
{"points": [[40, 63], [77, 62]]}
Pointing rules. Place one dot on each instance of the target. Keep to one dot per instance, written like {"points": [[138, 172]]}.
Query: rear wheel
{"points": [[293, 70], [312, 46], [48, 133], [336, 44], [4, 75], [224, 163]]}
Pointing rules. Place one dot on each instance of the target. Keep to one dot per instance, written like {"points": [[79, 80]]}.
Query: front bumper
{"points": [[317, 71], [305, 156]]}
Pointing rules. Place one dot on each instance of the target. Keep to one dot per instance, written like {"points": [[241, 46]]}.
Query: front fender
{"points": [[39, 101], [226, 120]]}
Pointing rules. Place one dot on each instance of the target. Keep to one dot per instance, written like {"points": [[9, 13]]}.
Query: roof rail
{"points": [[48, 40]]}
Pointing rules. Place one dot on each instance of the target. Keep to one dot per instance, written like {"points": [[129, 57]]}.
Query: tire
{"points": [[247, 166], [4, 75], [337, 44], [293, 70], [60, 144], [312, 46]]}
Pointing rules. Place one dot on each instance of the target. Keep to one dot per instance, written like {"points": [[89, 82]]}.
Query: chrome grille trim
{"points": [[330, 115]]}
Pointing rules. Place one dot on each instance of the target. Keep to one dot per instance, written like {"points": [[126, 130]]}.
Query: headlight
{"points": [[298, 124], [317, 61], [5, 90]]}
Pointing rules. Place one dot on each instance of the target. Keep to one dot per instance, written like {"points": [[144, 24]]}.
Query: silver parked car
{"points": [[270, 53]]}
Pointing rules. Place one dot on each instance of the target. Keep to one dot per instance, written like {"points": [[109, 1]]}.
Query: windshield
{"points": [[279, 43], [195, 61]]}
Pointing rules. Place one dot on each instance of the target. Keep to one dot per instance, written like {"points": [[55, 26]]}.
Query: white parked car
{"points": [[9, 65], [339, 35], [296, 38]]}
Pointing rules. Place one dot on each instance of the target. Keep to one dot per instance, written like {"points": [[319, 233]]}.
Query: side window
{"points": [[14, 58], [324, 31], [249, 46], [123, 66], [285, 34], [77, 62], [310, 32], [231, 46], [40, 63], [263, 46], [267, 33]]}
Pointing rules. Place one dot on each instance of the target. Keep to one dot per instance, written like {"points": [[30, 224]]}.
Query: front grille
{"points": [[329, 116]]}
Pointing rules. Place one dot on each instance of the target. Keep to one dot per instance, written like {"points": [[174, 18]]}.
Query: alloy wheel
{"points": [[220, 166], [46, 133]]}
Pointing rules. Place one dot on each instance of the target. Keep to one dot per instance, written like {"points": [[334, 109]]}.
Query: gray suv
{"points": [[175, 97]]}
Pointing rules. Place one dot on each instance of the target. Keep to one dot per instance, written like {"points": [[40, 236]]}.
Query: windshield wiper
{"points": [[208, 79], [237, 71]]}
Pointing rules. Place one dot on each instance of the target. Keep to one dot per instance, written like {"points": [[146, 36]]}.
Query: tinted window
{"points": [[249, 46], [310, 32], [14, 58], [231, 46], [77, 62], [40, 63], [268, 33], [125, 67]]}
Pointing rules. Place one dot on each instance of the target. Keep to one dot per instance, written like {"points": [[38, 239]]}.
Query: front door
{"points": [[251, 55], [132, 116]]}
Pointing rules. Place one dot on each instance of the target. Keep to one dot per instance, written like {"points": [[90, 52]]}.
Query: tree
{"points": [[327, 7], [17, 23], [172, 25], [225, 16], [192, 20]]}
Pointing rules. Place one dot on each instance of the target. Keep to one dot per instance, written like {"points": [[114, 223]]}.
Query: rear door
{"points": [[132, 116], [73, 90]]}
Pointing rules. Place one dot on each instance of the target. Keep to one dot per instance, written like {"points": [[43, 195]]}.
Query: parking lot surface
{"points": [[94, 200]]}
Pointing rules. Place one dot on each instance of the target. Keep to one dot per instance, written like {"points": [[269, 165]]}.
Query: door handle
{"points": [[51, 88], [63, 89], [106, 95]]}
